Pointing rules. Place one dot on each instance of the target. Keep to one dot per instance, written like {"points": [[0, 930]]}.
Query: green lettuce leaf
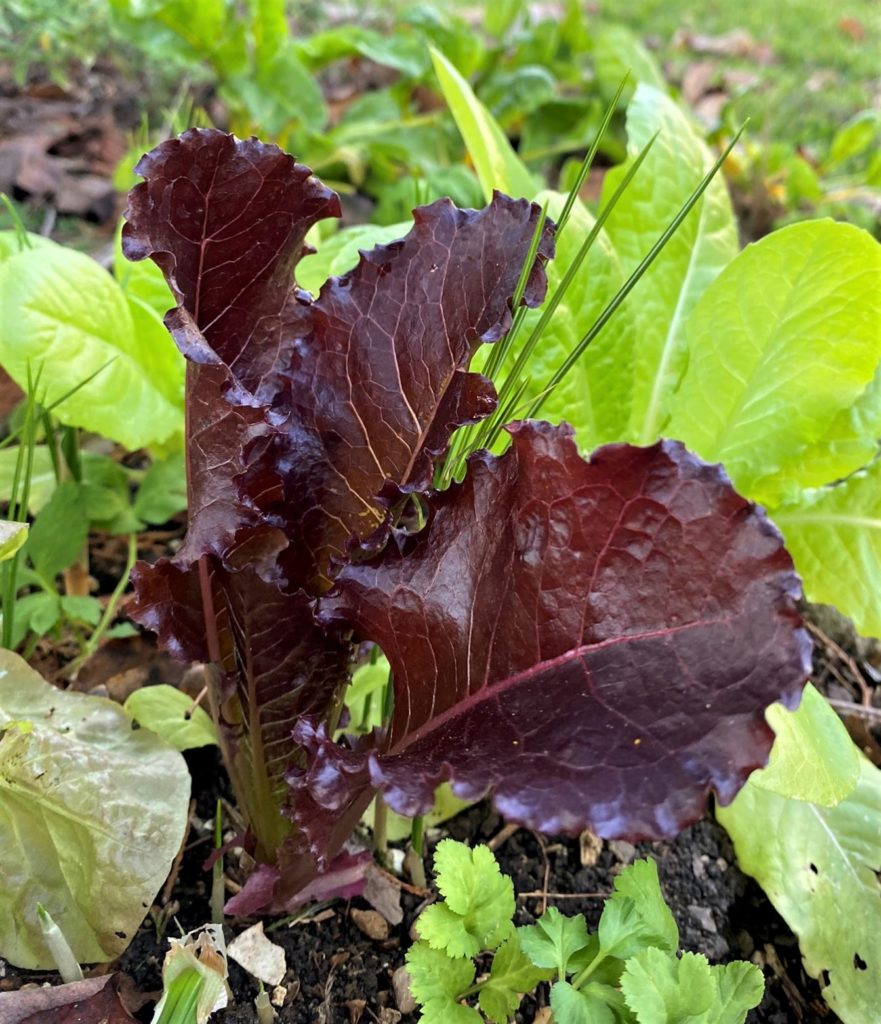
{"points": [[813, 757], [784, 340], [92, 814], [819, 867], [497, 165], [834, 537], [704, 244], [63, 312], [595, 396], [171, 715]]}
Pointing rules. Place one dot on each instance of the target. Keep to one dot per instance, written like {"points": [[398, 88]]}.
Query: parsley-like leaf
{"points": [[478, 902], [512, 974], [572, 1006], [554, 940], [436, 977]]}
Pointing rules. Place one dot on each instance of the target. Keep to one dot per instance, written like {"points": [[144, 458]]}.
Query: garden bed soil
{"points": [[337, 975]]}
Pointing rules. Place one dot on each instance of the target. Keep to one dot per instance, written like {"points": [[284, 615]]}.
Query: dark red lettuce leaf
{"points": [[379, 382], [305, 420], [596, 641]]}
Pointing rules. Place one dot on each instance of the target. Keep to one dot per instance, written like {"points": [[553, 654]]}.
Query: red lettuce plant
{"points": [[594, 641]]}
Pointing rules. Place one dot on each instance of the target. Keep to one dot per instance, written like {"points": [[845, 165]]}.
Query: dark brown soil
{"points": [[338, 976]]}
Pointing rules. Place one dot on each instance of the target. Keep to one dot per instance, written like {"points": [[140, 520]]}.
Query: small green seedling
{"points": [[627, 972]]}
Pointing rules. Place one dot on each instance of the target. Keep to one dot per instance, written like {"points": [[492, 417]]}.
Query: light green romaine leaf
{"points": [[553, 940], [834, 537], [170, 714], [617, 52], [63, 312], [478, 901], [595, 396], [772, 365], [435, 978], [850, 443], [813, 757], [339, 253], [59, 532], [576, 1006], [12, 537], [639, 883], [511, 976], [704, 244], [10, 244], [92, 814], [142, 279], [497, 165], [818, 866]]}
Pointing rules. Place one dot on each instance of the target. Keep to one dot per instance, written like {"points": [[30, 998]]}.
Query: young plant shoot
{"points": [[594, 641]]}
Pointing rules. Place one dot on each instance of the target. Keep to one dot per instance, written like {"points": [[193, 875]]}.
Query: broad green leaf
{"points": [[553, 940], [435, 976], [267, 94], [10, 244], [770, 367], [813, 757], [497, 165], [834, 537], [339, 253], [142, 280], [63, 312], [574, 1006], [59, 532], [86, 610], [819, 867], [478, 901], [850, 443], [42, 477], [511, 976], [12, 537], [617, 52], [664, 989], [106, 495], [595, 396], [854, 138], [37, 613], [163, 491], [704, 244], [639, 883], [92, 814], [170, 714]]}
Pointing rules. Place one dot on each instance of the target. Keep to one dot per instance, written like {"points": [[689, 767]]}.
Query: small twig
{"points": [[831, 645], [197, 700], [547, 872], [502, 837], [168, 888], [414, 890], [543, 894], [852, 708]]}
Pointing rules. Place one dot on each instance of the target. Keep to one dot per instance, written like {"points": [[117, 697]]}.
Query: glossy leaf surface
{"points": [[636, 595]]}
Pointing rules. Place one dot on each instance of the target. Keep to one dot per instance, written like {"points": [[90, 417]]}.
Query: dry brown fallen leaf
{"points": [[92, 1001]]}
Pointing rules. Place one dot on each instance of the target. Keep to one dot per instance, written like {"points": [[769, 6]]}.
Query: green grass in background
{"points": [[819, 74]]}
